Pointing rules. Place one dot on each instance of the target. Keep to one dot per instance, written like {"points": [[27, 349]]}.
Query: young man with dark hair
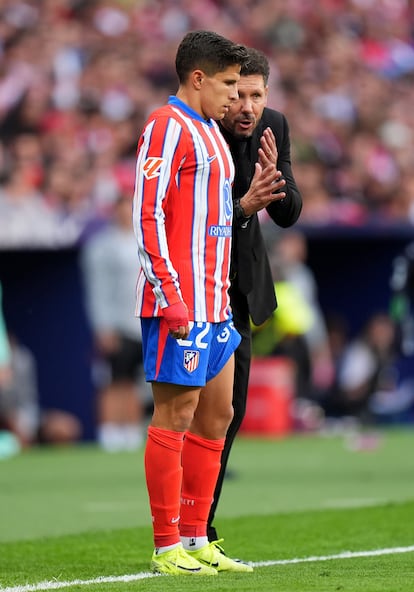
{"points": [[258, 138], [183, 224]]}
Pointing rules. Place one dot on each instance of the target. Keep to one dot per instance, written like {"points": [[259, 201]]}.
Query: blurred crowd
{"points": [[79, 77]]}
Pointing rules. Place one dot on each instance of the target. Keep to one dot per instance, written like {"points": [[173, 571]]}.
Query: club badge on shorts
{"points": [[191, 359]]}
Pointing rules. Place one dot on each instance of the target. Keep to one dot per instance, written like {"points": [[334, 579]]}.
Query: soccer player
{"points": [[183, 224], [258, 138]]}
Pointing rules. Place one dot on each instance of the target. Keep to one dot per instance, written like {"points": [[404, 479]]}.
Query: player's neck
{"points": [[192, 99]]}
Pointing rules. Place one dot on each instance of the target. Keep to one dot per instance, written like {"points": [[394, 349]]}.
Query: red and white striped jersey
{"points": [[183, 214]]}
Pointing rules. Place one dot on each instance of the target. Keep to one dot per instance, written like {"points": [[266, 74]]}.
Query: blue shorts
{"points": [[192, 361]]}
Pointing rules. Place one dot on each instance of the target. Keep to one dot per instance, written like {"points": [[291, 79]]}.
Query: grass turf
{"points": [[78, 514]]}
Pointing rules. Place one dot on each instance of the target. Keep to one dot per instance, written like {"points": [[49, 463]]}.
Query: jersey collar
{"points": [[176, 102]]}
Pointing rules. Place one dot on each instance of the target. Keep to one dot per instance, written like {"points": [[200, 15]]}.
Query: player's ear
{"points": [[197, 78]]}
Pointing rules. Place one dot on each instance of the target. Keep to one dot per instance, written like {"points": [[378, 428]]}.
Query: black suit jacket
{"points": [[252, 277]]}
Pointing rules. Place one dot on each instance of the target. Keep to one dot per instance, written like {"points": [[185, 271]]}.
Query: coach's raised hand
{"points": [[266, 181]]}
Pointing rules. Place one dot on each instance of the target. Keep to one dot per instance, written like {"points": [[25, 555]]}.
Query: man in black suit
{"points": [[259, 141]]}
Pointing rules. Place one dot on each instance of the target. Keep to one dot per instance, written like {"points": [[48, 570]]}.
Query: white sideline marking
{"points": [[56, 585], [343, 555]]}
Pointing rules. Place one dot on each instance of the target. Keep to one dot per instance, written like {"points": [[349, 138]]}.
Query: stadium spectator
{"points": [[109, 262], [9, 443], [292, 334], [19, 402], [341, 72], [366, 370], [290, 251], [5, 355], [20, 410], [284, 333], [22, 421]]}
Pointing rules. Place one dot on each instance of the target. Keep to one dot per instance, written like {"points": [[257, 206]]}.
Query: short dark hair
{"points": [[257, 63], [207, 51]]}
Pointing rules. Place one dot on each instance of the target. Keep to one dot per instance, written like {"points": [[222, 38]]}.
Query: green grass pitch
{"points": [[312, 513]]}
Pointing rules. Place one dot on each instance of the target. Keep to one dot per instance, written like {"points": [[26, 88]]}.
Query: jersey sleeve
{"points": [[159, 157]]}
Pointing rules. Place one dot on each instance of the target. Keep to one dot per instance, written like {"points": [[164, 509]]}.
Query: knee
{"points": [[181, 420], [173, 417], [227, 417], [214, 426]]}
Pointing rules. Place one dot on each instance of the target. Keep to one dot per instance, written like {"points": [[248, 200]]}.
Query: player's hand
{"points": [[176, 317]]}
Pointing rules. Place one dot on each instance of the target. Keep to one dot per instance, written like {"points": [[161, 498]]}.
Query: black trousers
{"points": [[242, 358]]}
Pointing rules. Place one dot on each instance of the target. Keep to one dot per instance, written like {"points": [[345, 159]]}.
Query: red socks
{"points": [[164, 475], [178, 468], [201, 465]]}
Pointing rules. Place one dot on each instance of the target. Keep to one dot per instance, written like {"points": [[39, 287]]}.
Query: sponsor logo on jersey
{"points": [[191, 359], [220, 231], [228, 200], [152, 167]]}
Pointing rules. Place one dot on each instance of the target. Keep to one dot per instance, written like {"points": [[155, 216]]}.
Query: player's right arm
{"points": [[158, 161]]}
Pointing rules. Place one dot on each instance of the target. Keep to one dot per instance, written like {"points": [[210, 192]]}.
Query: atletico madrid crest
{"points": [[191, 359]]}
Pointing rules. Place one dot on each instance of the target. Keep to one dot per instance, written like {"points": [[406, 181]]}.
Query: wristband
{"points": [[238, 209], [239, 213]]}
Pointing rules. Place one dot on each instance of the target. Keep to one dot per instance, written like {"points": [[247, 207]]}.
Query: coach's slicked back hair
{"points": [[256, 64], [207, 51]]}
